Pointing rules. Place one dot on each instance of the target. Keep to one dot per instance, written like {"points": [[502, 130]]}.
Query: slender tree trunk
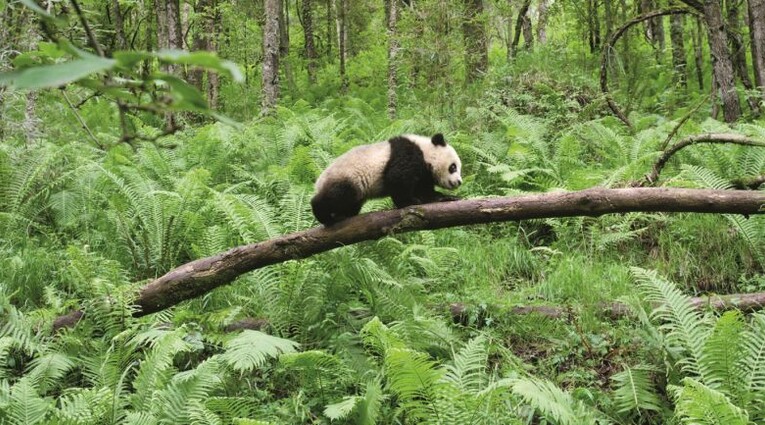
{"points": [[518, 26], [284, 46], [212, 24], [200, 40], [119, 26], [476, 49], [721, 60], [593, 16], [160, 9], [392, 57], [757, 38], [310, 49], [330, 25], [528, 33], [738, 52], [542, 7], [31, 123], [698, 38], [271, 56], [608, 15], [678, 48], [341, 23]]}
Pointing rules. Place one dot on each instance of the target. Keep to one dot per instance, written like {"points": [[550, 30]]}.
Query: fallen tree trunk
{"points": [[198, 277], [747, 303]]}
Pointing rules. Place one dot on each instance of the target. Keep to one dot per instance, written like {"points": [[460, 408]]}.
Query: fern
{"points": [[685, 328], [417, 384], [699, 404], [250, 350], [552, 402], [468, 372], [634, 390], [722, 355], [26, 406]]}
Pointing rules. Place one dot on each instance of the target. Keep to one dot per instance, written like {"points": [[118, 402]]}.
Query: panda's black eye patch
{"points": [[453, 168]]}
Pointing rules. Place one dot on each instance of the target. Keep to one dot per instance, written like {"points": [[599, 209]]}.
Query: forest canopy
{"points": [[160, 263]]}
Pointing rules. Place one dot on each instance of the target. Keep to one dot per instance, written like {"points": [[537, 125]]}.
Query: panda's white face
{"points": [[442, 158]]}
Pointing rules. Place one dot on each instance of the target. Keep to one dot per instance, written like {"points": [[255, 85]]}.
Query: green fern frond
{"points": [[552, 402], [705, 177], [417, 384], [84, 406], [342, 409], [370, 403], [685, 328], [722, 354], [751, 230], [48, 368], [752, 366], [250, 350], [26, 406], [187, 391], [699, 404], [468, 371], [635, 391]]}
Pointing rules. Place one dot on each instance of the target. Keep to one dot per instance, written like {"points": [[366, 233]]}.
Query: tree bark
{"points": [[284, 46], [200, 276], [476, 48], [528, 33], [721, 60], [757, 38], [524, 9], [542, 7], [698, 36], [738, 53], [654, 27], [392, 57], [679, 63], [119, 26], [593, 21], [341, 24], [270, 56], [310, 49]]}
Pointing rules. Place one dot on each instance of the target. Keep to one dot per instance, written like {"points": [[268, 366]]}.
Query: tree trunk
{"points": [[757, 38], [593, 19], [678, 49], [392, 57], [698, 38], [738, 53], [341, 24], [608, 15], [160, 9], [270, 56], [474, 32], [528, 33], [542, 7], [284, 46], [310, 49], [201, 276], [119, 26], [200, 39], [212, 24], [721, 60], [518, 26], [330, 25]]}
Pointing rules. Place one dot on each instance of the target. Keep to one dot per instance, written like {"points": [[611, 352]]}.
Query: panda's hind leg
{"points": [[336, 203]]}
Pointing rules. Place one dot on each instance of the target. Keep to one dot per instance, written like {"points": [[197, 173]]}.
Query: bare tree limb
{"points": [[610, 44], [682, 121], [200, 276], [692, 140], [744, 302]]}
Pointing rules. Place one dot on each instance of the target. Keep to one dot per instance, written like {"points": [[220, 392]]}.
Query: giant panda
{"points": [[406, 168]]}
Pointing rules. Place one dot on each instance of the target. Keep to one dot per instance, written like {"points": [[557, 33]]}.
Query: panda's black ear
{"points": [[438, 139]]}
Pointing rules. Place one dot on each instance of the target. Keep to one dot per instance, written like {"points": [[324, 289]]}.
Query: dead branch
{"points": [[743, 302], [200, 276], [692, 140], [610, 44]]}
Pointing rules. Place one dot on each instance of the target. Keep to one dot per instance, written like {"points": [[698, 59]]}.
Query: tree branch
{"points": [[609, 45], [692, 140], [200, 276]]}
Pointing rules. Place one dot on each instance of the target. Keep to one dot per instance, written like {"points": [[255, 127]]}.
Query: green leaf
{"points": [[47, 76], [203, 59], [186, 96], [341, 409], [37, 9], [251, 349]]}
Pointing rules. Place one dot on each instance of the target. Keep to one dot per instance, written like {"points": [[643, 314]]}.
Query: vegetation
{"points": [[122, 158]]}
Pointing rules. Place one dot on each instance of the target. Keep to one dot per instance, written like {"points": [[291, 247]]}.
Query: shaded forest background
{"points": [[139, 135]]}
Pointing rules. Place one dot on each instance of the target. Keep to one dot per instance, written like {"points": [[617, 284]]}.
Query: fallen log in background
{"points": [[200, 276]]}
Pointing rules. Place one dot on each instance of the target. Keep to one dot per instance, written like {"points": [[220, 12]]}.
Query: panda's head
{"points": [[442, 159]]}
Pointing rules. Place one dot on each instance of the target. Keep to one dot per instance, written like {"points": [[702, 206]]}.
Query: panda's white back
{"points": [[362, 166]]}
